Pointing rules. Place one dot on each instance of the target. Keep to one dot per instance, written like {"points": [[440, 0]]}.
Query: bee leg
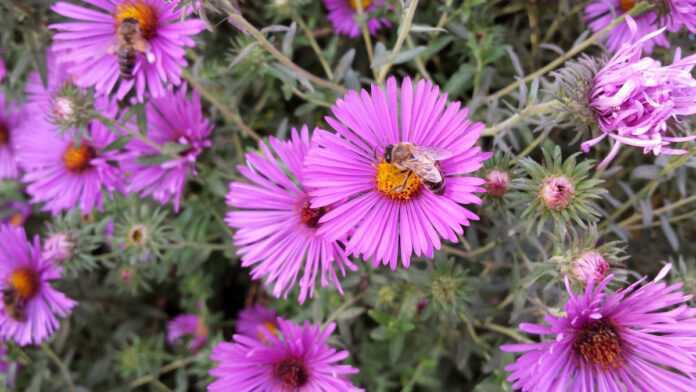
{"points": [[401, 187]]}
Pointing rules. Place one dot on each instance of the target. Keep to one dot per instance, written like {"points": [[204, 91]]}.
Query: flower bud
{"points": [[590, 266], [497, 183], [58, 247], [557, 192]]}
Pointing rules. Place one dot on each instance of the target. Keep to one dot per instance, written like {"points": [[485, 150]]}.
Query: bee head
{"points": [[388, 153]]}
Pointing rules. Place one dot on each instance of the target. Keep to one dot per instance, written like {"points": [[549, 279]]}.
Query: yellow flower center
{"points": [[140, 11], [76, 159], [627, 5], [4, 134], [25, 283], [396, 183], [271, 327], [17, 219], [365, 4]]}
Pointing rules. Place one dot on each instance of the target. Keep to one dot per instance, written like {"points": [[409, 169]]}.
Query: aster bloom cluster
{"points": [[288, 357], [640, 338], [344, 194]]}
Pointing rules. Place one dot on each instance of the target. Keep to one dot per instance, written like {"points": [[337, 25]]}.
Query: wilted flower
{"points": [[637, 339], [343, 14], [11, 119], [257, 321], [298, 360], [174, 120], [58, 247], [89, 44], [63, 173], [390, 212], [30, 306], [277, 228], [600, 13], [188, 325], [559, 190], [637, 101]]}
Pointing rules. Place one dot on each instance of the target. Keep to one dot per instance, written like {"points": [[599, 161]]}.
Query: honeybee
{"points": [[420, 161], [15, 306], [129, 42]]}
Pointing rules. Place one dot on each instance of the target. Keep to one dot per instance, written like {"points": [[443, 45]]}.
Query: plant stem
{"points": [[365, 34], [334, 315], [404, 30], [476, 252], [313, 43], [638, 9], [504, 331], [636, 217], [61, 366], [537, 109], [229, 114], [253, 31], [534, 144], [163, 370]]}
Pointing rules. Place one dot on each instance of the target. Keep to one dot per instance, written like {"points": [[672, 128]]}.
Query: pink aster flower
{"points": [[31, 306], [600, 13], [15, 213], [257, 321], [88, 42], [682, 13], [11, 119], [389, 211], [188, 325], [300, 360], [641, 338], [174, 119], [638, 101], [278, 229], [64, 174], [343, 14]]}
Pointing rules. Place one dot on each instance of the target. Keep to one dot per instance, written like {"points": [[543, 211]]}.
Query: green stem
{"points": [[165, 369], [476, 252], [404, 30], [228, 114], [505, 331], [638, 9], [635, 218], [313, 43], [529, 111], [301, 72], [365, 34], [61, 366]]}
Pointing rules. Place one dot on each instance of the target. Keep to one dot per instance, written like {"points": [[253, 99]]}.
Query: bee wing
{"points": [[426, 170], [431, 153]]}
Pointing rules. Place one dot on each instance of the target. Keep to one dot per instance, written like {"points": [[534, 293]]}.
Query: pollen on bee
{"points": [[396, 183], [139, 10], [76, 159], [25, 282], [365, 4]]}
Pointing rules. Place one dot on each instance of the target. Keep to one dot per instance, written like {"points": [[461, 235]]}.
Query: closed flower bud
{"points": [[497, 183], [58, 247], [590, 266], [557, 192]]}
